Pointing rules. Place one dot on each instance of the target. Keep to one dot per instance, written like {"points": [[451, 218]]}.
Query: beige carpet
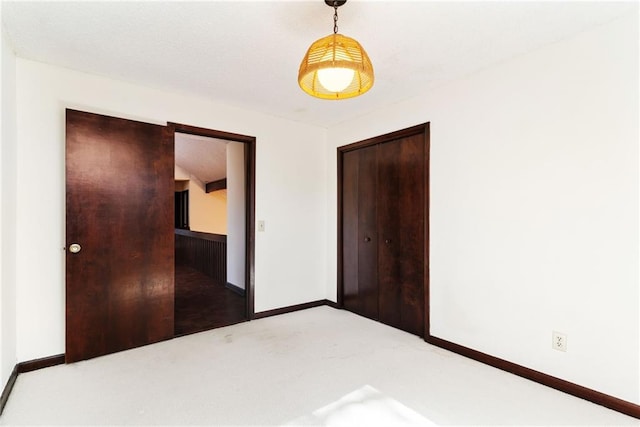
{"points": [[315, 367], [365, 406]]}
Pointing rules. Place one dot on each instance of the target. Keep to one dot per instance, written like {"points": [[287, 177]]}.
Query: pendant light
{"points": [[335, 66]]}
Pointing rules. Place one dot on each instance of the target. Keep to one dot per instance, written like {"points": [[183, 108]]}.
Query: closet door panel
{"points": [[401, 207], [368, 232], [411, 199], [351, 164], [359, 236], [389, 216]]}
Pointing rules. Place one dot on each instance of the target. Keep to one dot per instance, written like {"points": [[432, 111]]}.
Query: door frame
{"points": [[421, 129], [250, 198]]}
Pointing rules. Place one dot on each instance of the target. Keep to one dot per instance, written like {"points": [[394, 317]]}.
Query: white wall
{"points": [[207, 211], [534, 207], [180, 174], [283, 274], [236, 226], [8, 194]]}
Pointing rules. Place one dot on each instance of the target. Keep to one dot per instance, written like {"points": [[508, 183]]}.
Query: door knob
{"points": [[367, 239], [74, 248], [387, 241]]}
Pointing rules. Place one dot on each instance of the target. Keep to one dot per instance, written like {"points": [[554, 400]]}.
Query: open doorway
{"points": [[213, 229]]}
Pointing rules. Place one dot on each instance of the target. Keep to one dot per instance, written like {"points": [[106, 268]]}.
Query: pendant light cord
{"points": [[335, 17]]}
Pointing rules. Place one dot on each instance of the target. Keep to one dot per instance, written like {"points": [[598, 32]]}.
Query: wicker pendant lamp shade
{"points": [[335, 66]]}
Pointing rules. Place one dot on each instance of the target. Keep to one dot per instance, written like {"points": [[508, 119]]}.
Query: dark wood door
{"points": [[360, 237], [119, 209], [401, 233], [383, 229]]}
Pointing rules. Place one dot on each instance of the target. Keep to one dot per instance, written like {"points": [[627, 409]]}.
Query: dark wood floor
{"points": [[201, 303]]}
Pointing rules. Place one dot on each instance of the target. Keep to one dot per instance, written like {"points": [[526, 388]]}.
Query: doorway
{"points": [[120, 231], [214, 208], [209, 233]]}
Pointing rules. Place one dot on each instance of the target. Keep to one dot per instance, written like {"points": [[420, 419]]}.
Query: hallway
{"points": [[201, 303]]}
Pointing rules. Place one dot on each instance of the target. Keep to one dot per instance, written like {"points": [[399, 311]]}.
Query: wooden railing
{"points": [[205, 252]]}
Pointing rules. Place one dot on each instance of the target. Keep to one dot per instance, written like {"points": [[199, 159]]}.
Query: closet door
{"points": [[401, 222], [383, 228], [360, 232]]}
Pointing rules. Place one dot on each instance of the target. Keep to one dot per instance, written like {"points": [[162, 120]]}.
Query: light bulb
{"points": [[335, 79]]}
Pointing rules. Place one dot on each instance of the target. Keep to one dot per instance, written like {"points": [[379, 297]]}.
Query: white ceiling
{"points": [[247, 54], [205, 158]]}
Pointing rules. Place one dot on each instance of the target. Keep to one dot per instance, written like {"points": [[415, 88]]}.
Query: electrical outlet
{"points": [[559, 341], [261, 225]]}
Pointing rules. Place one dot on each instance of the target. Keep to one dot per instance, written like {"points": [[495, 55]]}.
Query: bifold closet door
{"points": [[400, 214], [360, 232], [384, 228]]}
